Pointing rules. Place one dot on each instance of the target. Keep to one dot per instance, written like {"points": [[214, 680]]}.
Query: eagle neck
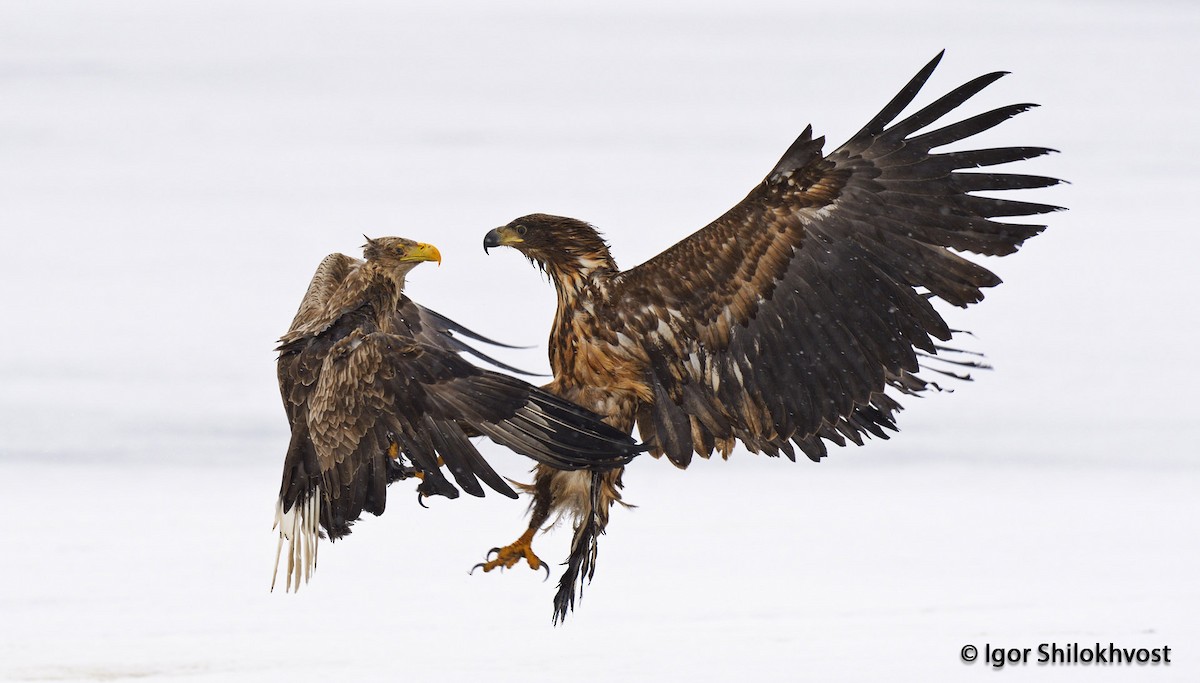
{"points": [[575, 272], [384, 289], [580, 279], [580, 287]]}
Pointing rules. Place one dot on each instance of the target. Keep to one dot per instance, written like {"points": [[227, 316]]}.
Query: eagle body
{"points": [[376, 389], [793, 320]]}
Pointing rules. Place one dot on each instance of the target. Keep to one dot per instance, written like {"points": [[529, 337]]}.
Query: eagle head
{"points": [[554, 243], [397, 252]]}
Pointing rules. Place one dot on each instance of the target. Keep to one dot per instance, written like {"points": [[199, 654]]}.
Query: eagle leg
{"points": [[401, 467], [508, 556], [539, 511]]}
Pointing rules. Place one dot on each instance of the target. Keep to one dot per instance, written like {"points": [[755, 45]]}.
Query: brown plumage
{"points": [[376, 390], [781, 324]]}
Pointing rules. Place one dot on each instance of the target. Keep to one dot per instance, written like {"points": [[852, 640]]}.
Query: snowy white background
{"points": [[171, 173]]}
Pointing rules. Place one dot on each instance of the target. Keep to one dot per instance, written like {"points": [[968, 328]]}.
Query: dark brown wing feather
{"points": [[786, 318], [351, 390], [431, 327]]}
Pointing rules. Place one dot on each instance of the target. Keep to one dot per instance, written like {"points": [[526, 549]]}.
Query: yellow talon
{"points": [[508, 556], [420, 474], [393, 452]]}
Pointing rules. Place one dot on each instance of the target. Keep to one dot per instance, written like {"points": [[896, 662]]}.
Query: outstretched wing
{"points": [[786, 318]]}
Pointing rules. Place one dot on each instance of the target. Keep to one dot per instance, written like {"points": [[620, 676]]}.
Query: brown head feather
{"points": [[562, 247]]}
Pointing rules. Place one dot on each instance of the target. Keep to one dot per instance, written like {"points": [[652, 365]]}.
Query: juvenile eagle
{"points": [[375, 391], [782, 323]]}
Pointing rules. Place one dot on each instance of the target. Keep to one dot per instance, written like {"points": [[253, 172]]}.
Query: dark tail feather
{"points": [[581, 564]]}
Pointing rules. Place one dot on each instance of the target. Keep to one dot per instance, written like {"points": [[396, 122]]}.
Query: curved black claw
{"points": [[547, 568], [421, 499], [487, 558]]}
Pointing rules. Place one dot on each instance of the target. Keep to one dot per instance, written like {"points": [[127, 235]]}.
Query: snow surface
{"points": [[171, 174]]}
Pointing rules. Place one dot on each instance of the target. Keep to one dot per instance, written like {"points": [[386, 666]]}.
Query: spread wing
{"points": [[786, 318], [368, 406]]}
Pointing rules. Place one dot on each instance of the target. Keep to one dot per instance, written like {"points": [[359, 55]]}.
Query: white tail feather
{"points": [[299, 527]]}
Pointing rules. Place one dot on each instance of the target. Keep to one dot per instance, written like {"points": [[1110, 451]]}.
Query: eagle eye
{"points": [[521, 229]]}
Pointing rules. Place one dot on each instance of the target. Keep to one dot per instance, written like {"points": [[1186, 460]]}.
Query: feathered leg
{"points": [[587, 497], [540, 507]]}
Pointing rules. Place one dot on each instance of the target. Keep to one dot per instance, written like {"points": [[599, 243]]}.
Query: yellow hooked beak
{"points": [[423, 252]]}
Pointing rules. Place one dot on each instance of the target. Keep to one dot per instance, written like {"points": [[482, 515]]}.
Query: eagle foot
{"points": [[431, 486], [407, 472], [404, 467], [508, 556]]}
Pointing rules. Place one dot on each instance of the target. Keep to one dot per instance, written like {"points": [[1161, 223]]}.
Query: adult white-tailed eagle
{"points": [[782, 323], [376, 390]]}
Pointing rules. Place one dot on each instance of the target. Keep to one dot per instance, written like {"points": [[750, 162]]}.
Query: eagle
{"points": [[790, 322], [376, 389]]}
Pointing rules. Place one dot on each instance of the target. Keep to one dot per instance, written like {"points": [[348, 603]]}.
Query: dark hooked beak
{"points": [[492, 239]]}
